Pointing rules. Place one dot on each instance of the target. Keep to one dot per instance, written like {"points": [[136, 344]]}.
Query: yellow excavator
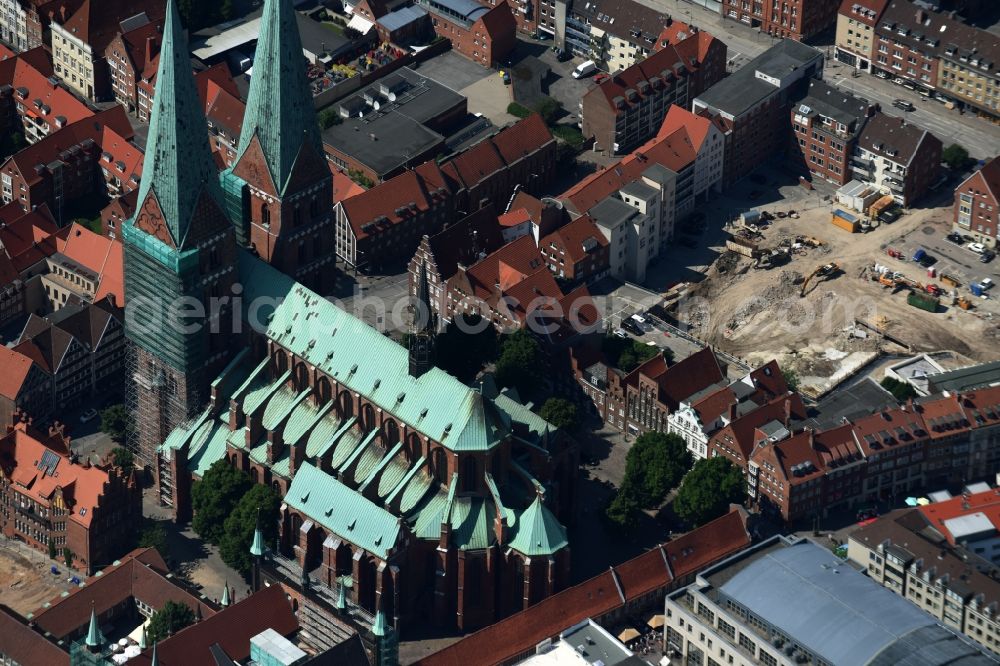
{"points": [[826, 271]]}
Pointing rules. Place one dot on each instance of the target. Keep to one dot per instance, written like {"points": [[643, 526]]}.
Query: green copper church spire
{"points": [[178, 166], [94, 638], [279, 110]]}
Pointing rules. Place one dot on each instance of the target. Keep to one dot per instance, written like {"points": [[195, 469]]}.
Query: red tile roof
{"points": [[26, 238], [343, 186], [135, 45], [877, 6], [514, 217], [231, 628], [30, 73], [121, 158], [101, 255], [461, 242], [740, 433], [986, 503], [141, 575], [48, 149], [499, 21], [14, 369], [943, 416], [522, 138], [221, 99], [597, 596], [680, 118], [97, 23], [389, 200], [82, 486], [6, 52], [24, 645], [990, 174], [575, 237], [682, 380]]}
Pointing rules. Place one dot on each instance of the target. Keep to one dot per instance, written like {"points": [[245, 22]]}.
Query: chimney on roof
{"points": [[788, 413], [732, 410], [670, 21], [150, 48]]}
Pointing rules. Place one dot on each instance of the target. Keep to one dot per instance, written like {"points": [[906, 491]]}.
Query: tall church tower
{"points": [[424, 328], [180, 253], [287, 201]]}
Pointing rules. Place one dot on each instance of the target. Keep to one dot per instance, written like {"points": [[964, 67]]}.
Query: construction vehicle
{"points": [[826, 271], [934, 290], [963, 303]]}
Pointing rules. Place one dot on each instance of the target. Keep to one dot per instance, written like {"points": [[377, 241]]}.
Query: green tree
{"points": [[239, 526], [52, 549], [328, 118], [628, 354], [656, 463], [154, 535], [465, 345], [360, 178], [67, 556], [214, 498], [956, 157], [122, 457], [900, 390], [548, 108], [561, 413], [115, 422], [623, 511], [791, 378], [171, 618], [518, 110], [520, 363], [708, 490]]}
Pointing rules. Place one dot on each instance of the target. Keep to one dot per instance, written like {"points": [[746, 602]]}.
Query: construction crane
{"points": [[826, 271]]}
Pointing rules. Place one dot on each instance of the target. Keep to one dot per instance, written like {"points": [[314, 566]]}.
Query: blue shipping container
{"points": [[977, 289], [919, 254]]}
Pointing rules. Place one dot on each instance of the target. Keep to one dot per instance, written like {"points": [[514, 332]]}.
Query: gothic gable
{"points": [[309, 168], [150, 219], [252, 167]]}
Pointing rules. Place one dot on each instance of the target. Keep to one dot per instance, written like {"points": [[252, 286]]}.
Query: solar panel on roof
{"points": [[48, 462]]}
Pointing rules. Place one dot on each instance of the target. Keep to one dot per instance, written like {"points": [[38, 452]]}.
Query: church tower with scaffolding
{"points": [[180, 255], [280, 189]]}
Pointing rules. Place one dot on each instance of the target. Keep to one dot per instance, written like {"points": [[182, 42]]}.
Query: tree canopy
{"points": [[214, 498], [708, 490], [561, 413], [520, 363], [899, 390], [628, 354], [241, 523], [462, 352], [791, 379], [654, 465], [956, 157], [171, 618], [114, 422], [154, 535], [123, 458]]}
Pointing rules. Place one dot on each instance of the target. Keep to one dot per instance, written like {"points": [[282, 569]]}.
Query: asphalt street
{"points": [[978, 136]]}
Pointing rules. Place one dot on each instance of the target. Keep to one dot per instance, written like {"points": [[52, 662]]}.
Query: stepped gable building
{"points": [[48, 497], [180, 244], [280, 189], [406, 488]]}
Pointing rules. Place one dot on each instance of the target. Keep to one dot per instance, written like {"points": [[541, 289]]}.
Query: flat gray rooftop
{"points": [[861, 399], [742, 90], [389, 136], [963, 379], [835, 612], [611, 212]]}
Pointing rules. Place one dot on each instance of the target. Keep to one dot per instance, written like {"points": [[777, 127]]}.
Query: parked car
{"points": [[506, 78], [584, 69], [601, 77], [903, 105], [88, 415], [987, 256], [986, 282], [954, 237], [928, 260], [889, 216], [978, 248], [632, 327], [619, 333]]}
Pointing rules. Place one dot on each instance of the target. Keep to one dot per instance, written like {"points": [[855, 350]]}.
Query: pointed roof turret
{"points": [[225, 594], [538, 532], [379, 626], [279, 109], [94, 638], [424, 297], [341, 596], [257, 547], [178, 166]]}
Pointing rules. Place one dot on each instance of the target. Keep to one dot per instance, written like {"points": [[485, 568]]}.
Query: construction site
{"points": [[825, 293]]}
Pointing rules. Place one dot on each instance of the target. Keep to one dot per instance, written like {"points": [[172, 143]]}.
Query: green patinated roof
{"points": [[324, 445], [306, 418], [178, 166], [362, 359], [281, 405], [260, 391], [210, 441], [358, 452], [393, 474], [379, 469], [520, 413], [428, 517], [472, 523], [371, 456], [343, 511], [349, 445], [279, 109], [537, 531], [415, 490]]}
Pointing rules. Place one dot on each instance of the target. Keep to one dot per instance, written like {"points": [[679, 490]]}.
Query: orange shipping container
{"points": [[845, 221]]}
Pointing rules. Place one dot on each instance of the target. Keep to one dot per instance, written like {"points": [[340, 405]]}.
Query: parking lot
{"points": [[952, 259]]}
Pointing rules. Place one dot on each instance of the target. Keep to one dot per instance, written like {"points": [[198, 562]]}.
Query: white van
{"points": [[584, 69]]}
